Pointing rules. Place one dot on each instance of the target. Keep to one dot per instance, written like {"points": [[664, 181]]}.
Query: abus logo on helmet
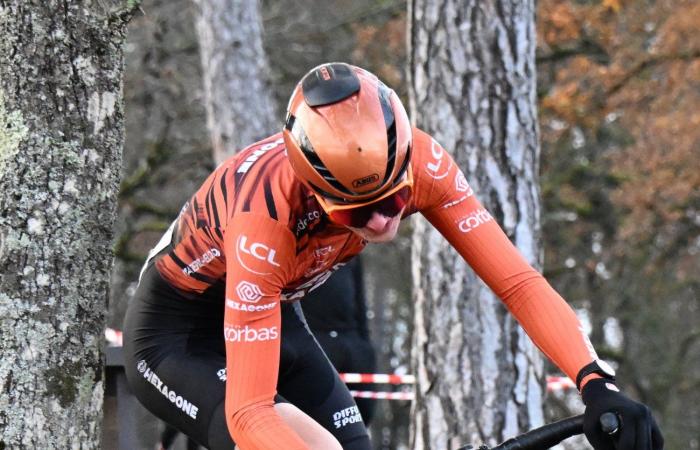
{"points": [[365, 180], [473, 220], [249, 292], [236, 333]]}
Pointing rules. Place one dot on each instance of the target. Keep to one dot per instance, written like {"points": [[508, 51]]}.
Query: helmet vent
{"points": [[329, 83], [404, 166], [390, 122]]}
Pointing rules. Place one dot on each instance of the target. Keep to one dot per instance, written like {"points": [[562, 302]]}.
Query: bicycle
{"points": [[551, 434]]}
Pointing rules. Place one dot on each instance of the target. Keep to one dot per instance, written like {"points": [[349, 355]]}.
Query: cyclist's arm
{"points": [[449, 204], [259, 252]]}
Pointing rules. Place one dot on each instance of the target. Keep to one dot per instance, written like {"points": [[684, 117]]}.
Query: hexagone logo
{"points": [[461, 184], [237, 333], [249, 292], [246, 307]]}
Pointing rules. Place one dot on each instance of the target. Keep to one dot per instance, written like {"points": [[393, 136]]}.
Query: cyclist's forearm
{"points": [[553, 327], [546, 317]]}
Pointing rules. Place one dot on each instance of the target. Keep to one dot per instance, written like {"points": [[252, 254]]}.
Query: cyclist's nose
{"points": [[377, 222]]}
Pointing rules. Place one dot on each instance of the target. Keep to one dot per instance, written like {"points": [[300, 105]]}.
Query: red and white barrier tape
{"points": [[114, 337], [554, 382], [558, 383], [378, 378], [383, 395]]}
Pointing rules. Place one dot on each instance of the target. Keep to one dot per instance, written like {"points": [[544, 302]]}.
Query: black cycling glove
{"points": [[638, 430]]}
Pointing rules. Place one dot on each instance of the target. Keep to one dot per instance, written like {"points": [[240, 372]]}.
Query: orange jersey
{"points": [[255, 234]]}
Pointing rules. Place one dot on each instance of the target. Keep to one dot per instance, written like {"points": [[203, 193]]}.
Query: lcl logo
{"points": [[434, 168], [257, 250]]}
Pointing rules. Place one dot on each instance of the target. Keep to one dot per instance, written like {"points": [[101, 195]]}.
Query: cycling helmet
{"points": [[347, 136]]}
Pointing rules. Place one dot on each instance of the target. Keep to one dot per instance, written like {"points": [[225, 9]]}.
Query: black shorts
{"points": [[351, 352], [175, 363]]}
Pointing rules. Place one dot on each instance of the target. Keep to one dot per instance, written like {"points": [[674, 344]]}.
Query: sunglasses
{"points": [[357, 214], [358, 217]]}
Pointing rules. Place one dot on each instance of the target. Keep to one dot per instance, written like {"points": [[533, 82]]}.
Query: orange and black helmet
{"points": [[348, 136]]}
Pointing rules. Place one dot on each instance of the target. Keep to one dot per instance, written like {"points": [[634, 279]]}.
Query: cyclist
{"points": [[216, 344]]}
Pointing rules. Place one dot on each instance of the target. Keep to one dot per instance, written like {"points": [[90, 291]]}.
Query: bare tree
{"points": [[239, 103], [61, 138], [472, 85]]}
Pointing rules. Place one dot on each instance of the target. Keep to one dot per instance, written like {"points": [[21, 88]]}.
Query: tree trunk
{"points": [[61, 136], [472, 86], [239, 103]]}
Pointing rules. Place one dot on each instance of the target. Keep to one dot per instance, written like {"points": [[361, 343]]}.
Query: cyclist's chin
{"points": [[386, 234]]}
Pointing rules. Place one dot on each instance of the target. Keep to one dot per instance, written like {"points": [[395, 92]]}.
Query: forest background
{"points": [[618, 96]]}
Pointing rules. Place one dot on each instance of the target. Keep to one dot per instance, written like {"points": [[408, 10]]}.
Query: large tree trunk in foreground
{"points": [[239, 103], [473, 88], [60, 159]]}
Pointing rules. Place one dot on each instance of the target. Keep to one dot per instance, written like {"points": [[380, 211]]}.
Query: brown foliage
{"points": [[620, 89], [386, 60], [649, 82]]}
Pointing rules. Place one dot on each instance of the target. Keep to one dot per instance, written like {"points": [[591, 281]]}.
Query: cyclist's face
{"points": [[379, 228]]}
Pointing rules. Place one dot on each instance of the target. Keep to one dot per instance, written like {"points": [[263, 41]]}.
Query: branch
{"points": [[651, 61], [583, 47], [148, 208]]}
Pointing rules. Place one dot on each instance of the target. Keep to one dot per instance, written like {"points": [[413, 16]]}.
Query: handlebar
{"points": [[551, 434], [546, 436]]}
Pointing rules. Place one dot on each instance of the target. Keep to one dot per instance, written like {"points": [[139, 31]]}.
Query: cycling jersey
{"points": [[254, 232]]}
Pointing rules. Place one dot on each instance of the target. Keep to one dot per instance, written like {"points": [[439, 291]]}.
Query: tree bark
{"points": [[60, 158], [239, 102], [472, 86]]}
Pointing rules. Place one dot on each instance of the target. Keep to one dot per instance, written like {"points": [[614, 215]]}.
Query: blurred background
{"points": [[618, 96]]}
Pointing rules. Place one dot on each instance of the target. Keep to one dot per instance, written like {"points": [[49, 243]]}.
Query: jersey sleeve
{"points": [[260, 253], [450, 205]]}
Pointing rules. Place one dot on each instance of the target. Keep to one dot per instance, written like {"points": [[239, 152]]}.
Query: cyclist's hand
{"points": [[638, 429]]}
